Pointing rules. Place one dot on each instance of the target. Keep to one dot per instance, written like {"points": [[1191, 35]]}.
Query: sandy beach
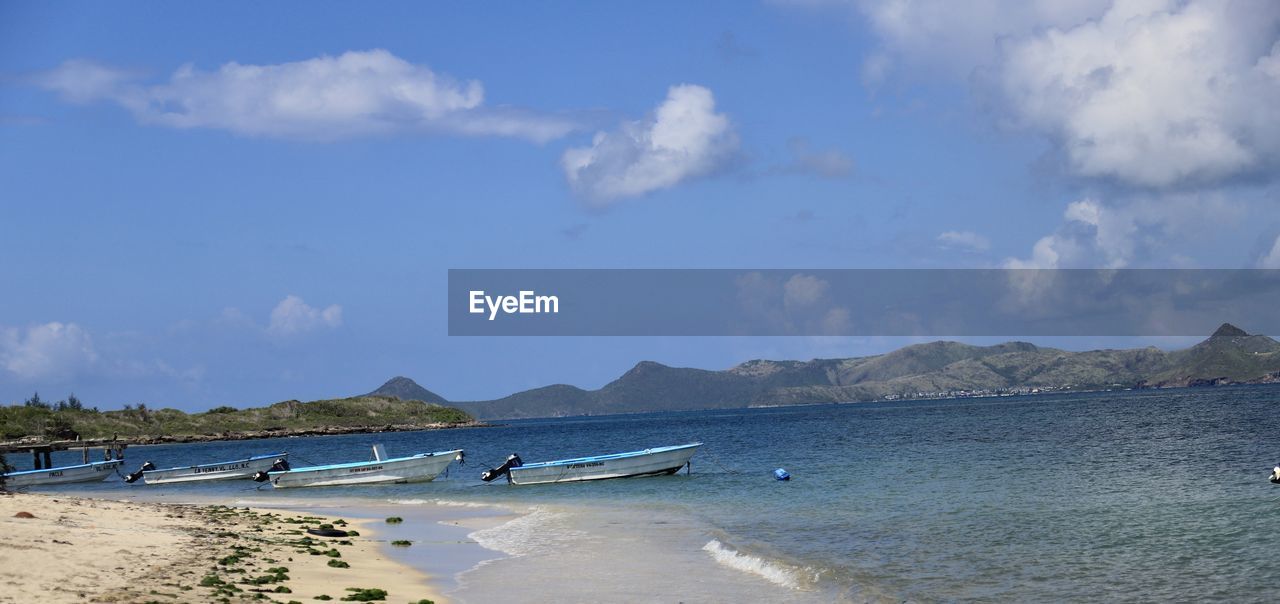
{"points": [[70, 549]]}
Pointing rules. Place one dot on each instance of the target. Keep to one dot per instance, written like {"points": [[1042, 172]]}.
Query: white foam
{"points": [[777, 574], [463, 504], [539, 531], [445, 502]]}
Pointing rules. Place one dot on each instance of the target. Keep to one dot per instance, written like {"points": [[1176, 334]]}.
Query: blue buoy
{"points": [[781, 474]]}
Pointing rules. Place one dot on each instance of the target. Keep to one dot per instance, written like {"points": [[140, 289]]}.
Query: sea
{"points": [[1133, 496]]}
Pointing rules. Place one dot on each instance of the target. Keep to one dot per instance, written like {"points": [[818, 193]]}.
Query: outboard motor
{"points": [[132, 478], [281, 465], [513, 461]]}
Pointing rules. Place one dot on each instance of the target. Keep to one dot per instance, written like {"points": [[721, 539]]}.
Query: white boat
{"points": [[86, 472], [422, 467], [225, 470], [649, 462]]}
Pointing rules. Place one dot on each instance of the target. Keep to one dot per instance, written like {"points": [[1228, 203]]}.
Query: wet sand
{"points": [[74, 549]]}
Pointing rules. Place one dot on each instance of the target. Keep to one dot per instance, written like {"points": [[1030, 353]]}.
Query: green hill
{"points": [[361, 413], [1229, 356]]}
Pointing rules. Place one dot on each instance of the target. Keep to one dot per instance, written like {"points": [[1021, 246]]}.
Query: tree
{"points": [[35, 401], [60, 428], [74, 403]]}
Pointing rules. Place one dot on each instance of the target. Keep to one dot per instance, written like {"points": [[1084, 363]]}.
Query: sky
{"points": [[208, 204]]}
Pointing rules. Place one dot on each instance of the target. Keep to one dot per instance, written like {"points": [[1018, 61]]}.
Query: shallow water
{"points": [[1122, 496]]}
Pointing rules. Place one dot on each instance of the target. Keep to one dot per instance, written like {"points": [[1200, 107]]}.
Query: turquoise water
{"points": [[1125, 496]]}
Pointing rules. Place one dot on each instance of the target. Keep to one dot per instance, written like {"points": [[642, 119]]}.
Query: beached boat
{"points": [[649, 462], [422, 467], [224, 470], [86, 472]]}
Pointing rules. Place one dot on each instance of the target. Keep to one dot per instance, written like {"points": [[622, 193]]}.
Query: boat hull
{"points": [[229, 470], [423, 467], [90, 472], [649, 462]]}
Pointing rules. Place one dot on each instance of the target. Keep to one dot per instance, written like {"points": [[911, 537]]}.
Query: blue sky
{"points": [[212, 204]]}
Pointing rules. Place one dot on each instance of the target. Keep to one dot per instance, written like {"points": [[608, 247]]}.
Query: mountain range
{"points": [[932, 370]]}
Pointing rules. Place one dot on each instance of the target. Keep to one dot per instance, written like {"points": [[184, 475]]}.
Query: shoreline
{"points": [[613, 553], [628, 553], [460, 551], [62, 548], [439, 531]]}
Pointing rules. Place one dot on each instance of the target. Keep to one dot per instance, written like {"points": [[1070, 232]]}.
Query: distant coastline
{"points": [[934, 370], [951, 397], [65, 426], [259, 434]]}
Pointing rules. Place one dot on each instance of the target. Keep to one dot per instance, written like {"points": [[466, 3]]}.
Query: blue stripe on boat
{"points": [[560, 462], [75, 467], [221, 463], [356, 464]]}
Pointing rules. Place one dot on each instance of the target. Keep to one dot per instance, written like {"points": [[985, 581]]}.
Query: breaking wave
{"points": [[464, 504], [778, 574]]}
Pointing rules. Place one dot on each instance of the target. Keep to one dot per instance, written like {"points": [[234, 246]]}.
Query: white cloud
{"points": [[803, 290], [1147, 93], [959, 36], [55, 352], [292, 316], [1094, 234], [48, 351], [1086, 210], [1044, 254], [1167, 105], [799, 305], [964, 240], [1171, 100], [1154, 94], [1089, 237], [357, 93], [1272, 258], [684, 139]]}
